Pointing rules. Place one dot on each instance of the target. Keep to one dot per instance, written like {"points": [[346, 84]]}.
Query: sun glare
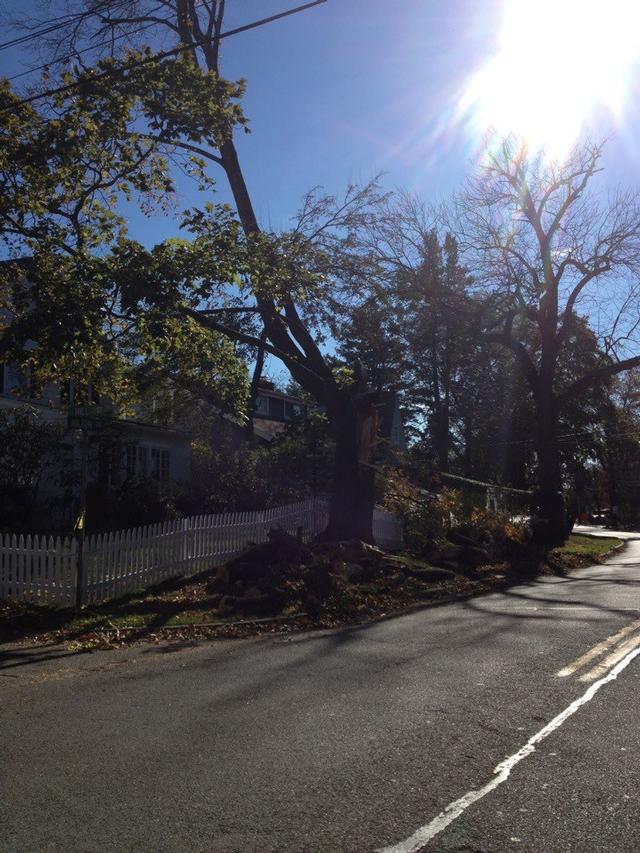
{"points": [[557, 63]]}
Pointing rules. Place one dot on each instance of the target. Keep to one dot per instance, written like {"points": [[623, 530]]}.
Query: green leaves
{"points": [[97, 303]]}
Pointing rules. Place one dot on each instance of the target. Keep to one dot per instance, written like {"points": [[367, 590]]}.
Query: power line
{"points": [[64, 20], [494, 486], [68, 87], [75, 53]]}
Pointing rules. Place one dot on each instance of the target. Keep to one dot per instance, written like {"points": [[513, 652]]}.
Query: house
{"points": [[136, 448], [146, 451], [274, 410]]}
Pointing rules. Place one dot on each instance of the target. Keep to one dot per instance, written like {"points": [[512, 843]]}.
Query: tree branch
{"points": [[598, 374]]}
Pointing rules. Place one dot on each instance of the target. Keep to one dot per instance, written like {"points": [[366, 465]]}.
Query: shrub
{"points": [[426, 517], [136, 503], [496, 529]]}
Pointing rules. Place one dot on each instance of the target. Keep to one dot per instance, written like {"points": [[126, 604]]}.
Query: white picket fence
{"points": [[43, 569]]}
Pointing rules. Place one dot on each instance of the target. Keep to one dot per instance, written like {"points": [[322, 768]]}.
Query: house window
{"points": [[262, 405], [109, 466], [276, 407], [292, 410], [136, 461], [159, 464], [16, 380]]}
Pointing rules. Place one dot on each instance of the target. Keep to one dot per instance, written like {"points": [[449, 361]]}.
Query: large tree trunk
{"points": [[440, 420], [551, 506], [352, 493], [254, 388], [355, 423], [441, 431]]}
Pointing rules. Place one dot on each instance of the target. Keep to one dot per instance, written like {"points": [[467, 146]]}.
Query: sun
{"points": [[557, 63]]}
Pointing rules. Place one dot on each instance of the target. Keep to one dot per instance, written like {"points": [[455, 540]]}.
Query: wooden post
{"points": [[81, 521]]}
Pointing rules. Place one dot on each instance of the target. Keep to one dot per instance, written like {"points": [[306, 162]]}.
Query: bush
{"points": [[430, 519], [136, 503], [28, 446], [495, 530], [427, 518]]}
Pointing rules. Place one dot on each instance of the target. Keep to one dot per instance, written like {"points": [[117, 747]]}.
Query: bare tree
{"points": [[546, 244]]}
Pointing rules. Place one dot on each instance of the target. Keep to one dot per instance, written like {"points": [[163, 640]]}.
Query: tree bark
{"points": [[353, 487], [352, 498], [255, 384], [353, 490], [551, 506]]}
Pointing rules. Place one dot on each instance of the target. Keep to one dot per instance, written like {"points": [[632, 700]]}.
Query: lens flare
{"points": [[557, 64]]}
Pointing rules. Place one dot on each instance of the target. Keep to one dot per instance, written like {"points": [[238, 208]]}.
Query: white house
{"points": [[146, 451]]}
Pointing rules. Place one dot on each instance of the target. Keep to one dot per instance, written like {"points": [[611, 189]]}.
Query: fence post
{"points": [[185, 550], [81, 522], [106, 566]]}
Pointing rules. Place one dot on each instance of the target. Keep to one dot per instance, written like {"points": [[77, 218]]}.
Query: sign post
{"points": [[80, 525], [83, 419]]}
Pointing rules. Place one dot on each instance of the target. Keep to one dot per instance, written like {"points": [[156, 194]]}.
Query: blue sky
{"points": [[352, 88], [356, 87]]}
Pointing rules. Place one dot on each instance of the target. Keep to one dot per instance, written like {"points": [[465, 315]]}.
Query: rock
{"points": [[245, 570], [487, 539], [393, 566], [312, 606], [227, 605], [354, 551], [256, 600], [317, 580], [218, 583], [430, 574], [356, 573], [446, 553], [289, 548], [451, 565], [461, 539], [267, 563], [257, 604], [253, 592], [475, 557]]}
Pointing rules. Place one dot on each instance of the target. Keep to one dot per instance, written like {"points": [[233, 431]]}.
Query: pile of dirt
{"points": [[283, 573], [279, 585]]}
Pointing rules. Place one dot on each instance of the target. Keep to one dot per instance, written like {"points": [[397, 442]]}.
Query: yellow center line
{"points": [[611, 660], [597, 650]]}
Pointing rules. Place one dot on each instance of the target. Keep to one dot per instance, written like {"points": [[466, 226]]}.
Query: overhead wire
{"points": [[64, 21], [78, 53], [148, 60]]}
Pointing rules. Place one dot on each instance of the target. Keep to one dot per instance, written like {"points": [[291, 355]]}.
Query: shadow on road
{"points": [[22, 657]]}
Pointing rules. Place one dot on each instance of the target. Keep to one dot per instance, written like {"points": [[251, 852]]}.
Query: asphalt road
{"points": [[342, 741]]}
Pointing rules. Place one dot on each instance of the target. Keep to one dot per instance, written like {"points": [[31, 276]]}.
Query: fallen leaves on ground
{"points": [[176, 610]]}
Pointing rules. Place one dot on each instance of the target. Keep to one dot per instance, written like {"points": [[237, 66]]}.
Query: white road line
{"points": [[597, 650], [623, 649], [423, 836]]}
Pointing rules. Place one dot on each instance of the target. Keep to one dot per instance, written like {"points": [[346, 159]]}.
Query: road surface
{"points": [[508, 722]]}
